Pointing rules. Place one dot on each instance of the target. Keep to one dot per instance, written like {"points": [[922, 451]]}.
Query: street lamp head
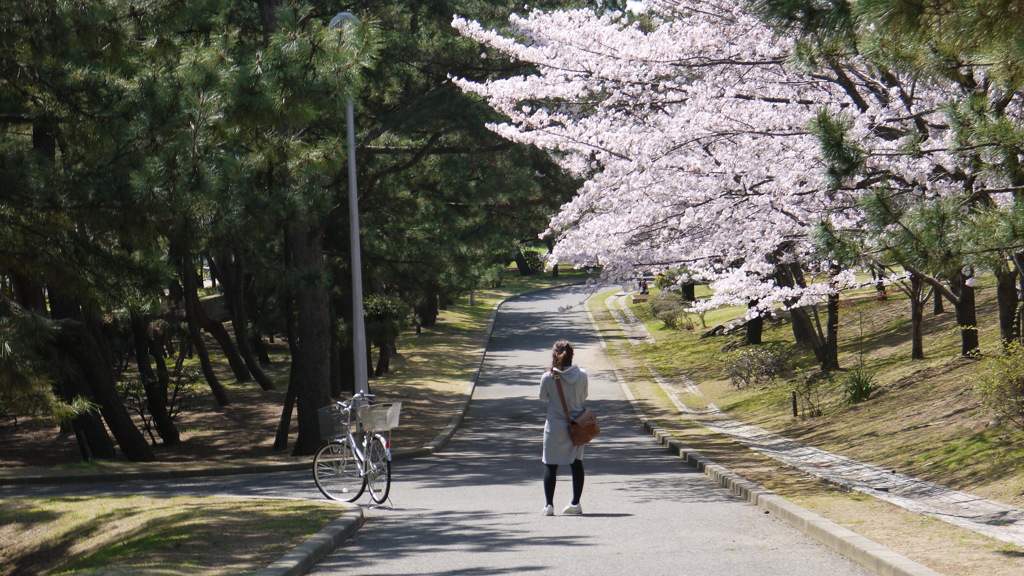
{"points": [[342, 19]]}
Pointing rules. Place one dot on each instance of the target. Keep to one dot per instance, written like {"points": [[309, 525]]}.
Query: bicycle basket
{"points": [[380, 416], [332, 422]]}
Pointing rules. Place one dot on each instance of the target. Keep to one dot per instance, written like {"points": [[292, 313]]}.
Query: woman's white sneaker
{"points": [[548, 510], [573, 509]]}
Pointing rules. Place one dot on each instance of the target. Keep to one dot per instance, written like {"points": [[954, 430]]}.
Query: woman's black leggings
{"points": [[550, 471]]}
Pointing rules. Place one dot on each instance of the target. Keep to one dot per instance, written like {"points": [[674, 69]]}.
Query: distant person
{"points": [[643, 287], [558, 446]]}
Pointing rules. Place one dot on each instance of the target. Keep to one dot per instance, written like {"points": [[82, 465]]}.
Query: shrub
{"points": [[1002, 389], [756, 365], [670, 308], [533, 261], [858, 385]]}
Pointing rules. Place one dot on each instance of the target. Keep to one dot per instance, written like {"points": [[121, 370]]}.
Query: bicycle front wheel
{"points": [[378, 469], [336, 473]]}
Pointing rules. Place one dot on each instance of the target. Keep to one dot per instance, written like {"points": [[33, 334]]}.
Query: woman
{"points": [[558, 446]]}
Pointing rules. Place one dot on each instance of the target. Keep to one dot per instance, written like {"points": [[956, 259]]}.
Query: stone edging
{"points": [[844, 541]]}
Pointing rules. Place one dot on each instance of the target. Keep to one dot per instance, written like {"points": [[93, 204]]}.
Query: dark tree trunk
{"points": [[196, 337], [383, 359], [93, 439], [522, 265], [260, 349], [832, 334], [688, 291], [966, 316], [335, 369], [285, 422], [917, 303], [281, 439], [163, 378], [28, 294], [232, 281], [803, 324], [156, 396], [90, 433], [805, 332], [214, 327], [755, 327], [312, 362], [427, 311], [346, 370], [1006, 296], [74, 338]]}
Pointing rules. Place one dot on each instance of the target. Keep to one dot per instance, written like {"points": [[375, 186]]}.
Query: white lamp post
{"points": [[339, 22]]}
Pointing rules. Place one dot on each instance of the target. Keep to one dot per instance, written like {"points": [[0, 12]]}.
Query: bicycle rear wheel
{"points": [[378, 469], [336, 473]]}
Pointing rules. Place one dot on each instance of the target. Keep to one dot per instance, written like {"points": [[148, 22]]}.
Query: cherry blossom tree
{"points": [[712, 141]]}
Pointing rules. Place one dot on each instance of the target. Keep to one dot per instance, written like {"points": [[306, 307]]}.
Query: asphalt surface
{"points": [[474, 506]]}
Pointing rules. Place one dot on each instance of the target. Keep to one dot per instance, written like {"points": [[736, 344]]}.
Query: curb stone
{"points": [[863, 551], [304, 556]]}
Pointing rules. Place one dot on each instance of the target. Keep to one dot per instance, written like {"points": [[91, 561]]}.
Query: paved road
{"points": [[475, 508]]}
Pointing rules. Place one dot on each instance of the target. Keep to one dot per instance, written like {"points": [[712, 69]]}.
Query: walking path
{"points": [[988, 517], [474, 507]]}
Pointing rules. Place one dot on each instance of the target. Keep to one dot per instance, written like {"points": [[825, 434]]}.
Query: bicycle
{"points": [[356, 455]]}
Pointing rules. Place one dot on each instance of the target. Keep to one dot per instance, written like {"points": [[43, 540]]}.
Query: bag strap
{"points": [[561, 394]]}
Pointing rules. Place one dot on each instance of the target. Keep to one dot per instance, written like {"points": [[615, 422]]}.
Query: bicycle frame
{"points": [[365, 451], [359, 448]]}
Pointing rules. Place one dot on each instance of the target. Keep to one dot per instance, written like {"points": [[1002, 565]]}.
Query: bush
{"points": [[670, 308], [1002, 389], [858, 385], [756, 365]]}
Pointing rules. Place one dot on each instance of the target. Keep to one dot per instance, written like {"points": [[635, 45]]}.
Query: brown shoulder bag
{"points": [[583, 428]]}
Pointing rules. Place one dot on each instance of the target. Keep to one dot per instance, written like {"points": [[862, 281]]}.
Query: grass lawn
{"points": [[924, 418]]}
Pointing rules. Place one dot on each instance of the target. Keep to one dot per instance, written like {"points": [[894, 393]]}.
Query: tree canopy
{"points": [[145, 143]]}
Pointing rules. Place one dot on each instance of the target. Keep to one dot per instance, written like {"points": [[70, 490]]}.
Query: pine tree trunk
{"points": [[312, 363], [196, 338], [285, 422], [73, 337], [688, 292], [522, 265], [214, 327], [91, 434], [346, 370], [232, 281], [1006, 296], [93, 439], [383, 358], [427, 311], [967, 317], [156, 399]]}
